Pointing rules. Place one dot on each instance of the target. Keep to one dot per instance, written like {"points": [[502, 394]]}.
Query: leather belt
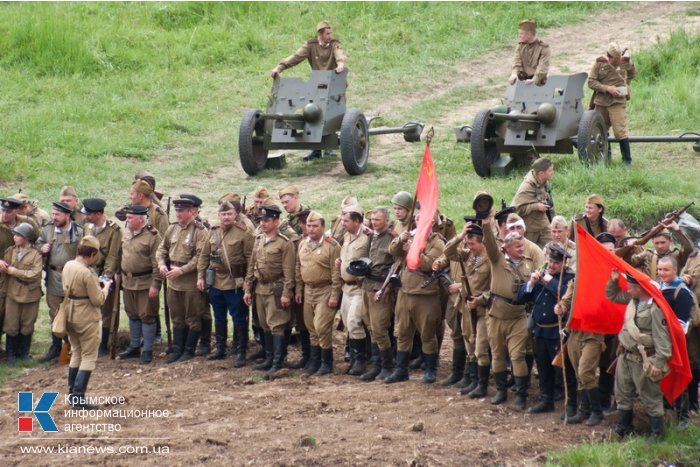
{"points": [[637, 357], [138, 274], [503, 299], [76, 297], [352, 282], [269, 281], [318, 284], [547, 326]]}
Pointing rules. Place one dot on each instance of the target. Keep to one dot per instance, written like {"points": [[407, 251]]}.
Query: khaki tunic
{"points": [[181, 247], [139, 269], [158, 218], [23, 290], [352, 249], [39, 216], [533, 60], [648, 259], [337, 231], [320, 57], [233, 248], [378, 313], [446, 228], [526, 199], [83, 313], [7, 237], [64, 247], [692, 268], [110, 238], [593, 228], [293, 220], [603, 74]]}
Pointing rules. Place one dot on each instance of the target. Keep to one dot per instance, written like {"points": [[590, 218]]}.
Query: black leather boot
{"points": [[623, 427], [11, 349], [375, 365], [470, 379], [626, 151], [179, 336], [431, 363], [240, 335], [682, 409], [279, 345], [480, 390], [315, 154], [656, 425], [79, 388], [190, 345], [305, 342], [584, 408], [314, 362], [359, 348], [596, 415], [221, 333], [204, 347], [25, 344], [326, 367], [530, 362], [54, 350], [521, 386], [501, 379], [104, 343], [388, 363], [267, 364], [72, 373], [459, 361], [400, 372]]}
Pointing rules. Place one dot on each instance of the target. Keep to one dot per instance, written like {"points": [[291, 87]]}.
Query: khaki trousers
{"points": [[421, 313], [318, 316], [186, 308], [630, 380], [271, 318], [139, 306], [584, 350], [508, 337], [378, 315], [20, 317]]}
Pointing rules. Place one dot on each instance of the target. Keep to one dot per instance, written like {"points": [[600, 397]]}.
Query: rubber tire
{"points": [[253, 155], [483, 154], [592, 139], [354, 142]]}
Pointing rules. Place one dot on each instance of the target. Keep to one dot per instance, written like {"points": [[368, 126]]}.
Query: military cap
{"points": [[10, 204], [93, 205], [631, 279], [476, 229], [473, 220], [26, 230], [541, 164], [303, 215], [90, 241], [183, 203], [143, 187], [196, 200], [136, 209], [261, 192], [595, 199], [403, 199], [528, 25], [664, 233], [605, 237], [322, 25], [614, 50], [230, 197], [483, 202], [349, 200], [21, 197], [62, 207], [557, 253], [225, 206], [360, 267], [68, 191], [502, 215], [314, 216], [269, 212], [146, 177], [290, 190], [354, 208], [270, 202]]}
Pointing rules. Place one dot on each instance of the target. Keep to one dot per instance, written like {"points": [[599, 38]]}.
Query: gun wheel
{"points": [[483, 144], [354, 142], [251, 149], [592, 139]]}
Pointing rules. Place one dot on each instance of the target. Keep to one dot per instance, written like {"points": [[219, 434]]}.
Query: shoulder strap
{"points": [[223, 247]]}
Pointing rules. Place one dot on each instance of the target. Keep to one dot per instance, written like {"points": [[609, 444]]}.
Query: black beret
{"points": [[93, 205], [62, 207]]}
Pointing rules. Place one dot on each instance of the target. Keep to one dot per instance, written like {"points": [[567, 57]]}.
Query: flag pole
{"points": [[428, 140], [561, 343]]}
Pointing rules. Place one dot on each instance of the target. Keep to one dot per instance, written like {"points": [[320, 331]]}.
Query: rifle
{"points": [[468, 295], [392, 274], [114, 327], [243, 205], [624, 251], [166, 308]]}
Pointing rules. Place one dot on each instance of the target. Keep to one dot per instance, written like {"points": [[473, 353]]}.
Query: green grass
{"points": [[678, 448]]}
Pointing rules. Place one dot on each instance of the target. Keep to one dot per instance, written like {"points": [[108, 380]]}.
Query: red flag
{"points": [[593, 312], [427, 195]]}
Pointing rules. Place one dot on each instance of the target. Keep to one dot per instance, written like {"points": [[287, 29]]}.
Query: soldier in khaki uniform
{"points": [[336, 229], [253, 212], [647, 259], [69, 196], [591, 220], [355, 245], [318, 285], [468, 248], [177, 256], [610, 78], [559, 229], [31, 210], [228, 252], [323, 53], [646, 344], [85, 297], [534, 203], [58, 243], [691, 276], [109, 235], [378, 313], [445, 227], [532, 250], [531, 57], [402, 203], [417, 307], [141, 281], [270, 277], [20, 271], [506, 323]]}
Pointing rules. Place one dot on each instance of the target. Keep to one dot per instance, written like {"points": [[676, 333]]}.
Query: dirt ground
{"points": [[219, 415]]}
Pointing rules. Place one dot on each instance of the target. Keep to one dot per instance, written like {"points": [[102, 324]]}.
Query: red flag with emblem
{"points": [[427, 195], [593, 312]]}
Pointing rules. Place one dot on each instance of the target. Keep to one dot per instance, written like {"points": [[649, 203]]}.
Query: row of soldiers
{"points": [[298, 270]]}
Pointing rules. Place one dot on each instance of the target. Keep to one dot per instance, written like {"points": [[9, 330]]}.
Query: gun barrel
{"points": [[283, 117], [514, 117]]}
